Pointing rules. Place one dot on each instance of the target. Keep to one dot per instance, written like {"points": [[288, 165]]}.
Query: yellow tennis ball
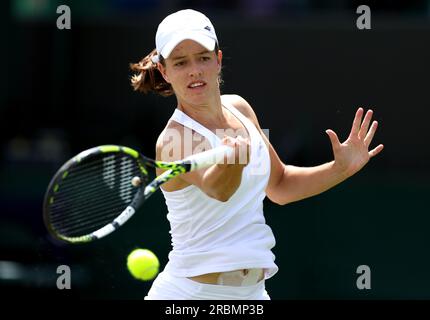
{"points": [[143, 264]]}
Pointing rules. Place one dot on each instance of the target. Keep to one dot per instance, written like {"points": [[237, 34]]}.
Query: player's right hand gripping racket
{"points": [[91, 195]]}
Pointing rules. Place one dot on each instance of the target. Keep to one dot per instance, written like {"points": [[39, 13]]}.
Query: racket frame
{"points": [[173, 169]]}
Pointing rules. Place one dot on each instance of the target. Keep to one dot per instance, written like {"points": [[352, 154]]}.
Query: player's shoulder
{"points": [[177, 141], [242, 105], [171, 135]]}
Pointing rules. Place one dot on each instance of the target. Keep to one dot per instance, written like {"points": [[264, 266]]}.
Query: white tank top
{"points": [[213, 236]]}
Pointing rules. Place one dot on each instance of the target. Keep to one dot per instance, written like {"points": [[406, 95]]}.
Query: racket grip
{"points": [[207, 158]]}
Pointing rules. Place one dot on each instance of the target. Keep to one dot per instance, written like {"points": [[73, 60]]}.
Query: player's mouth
{"points": [[195, 85]]}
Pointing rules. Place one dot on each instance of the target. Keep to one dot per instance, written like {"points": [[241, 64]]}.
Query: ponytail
{"points": [[148, 78]]}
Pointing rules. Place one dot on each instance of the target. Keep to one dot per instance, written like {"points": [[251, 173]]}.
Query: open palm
{"points": [[353, 154]]}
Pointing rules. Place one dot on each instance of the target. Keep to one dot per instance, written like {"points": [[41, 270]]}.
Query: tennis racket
{"points": [[92, 194]]}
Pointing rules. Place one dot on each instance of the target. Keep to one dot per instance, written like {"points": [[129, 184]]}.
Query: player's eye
{"points": [[179, 63]]}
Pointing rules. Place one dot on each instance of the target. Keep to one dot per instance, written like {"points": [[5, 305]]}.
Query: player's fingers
{"points": [[229, 141], [356, 123], [375, 151], [242, 142], [241, 139], [371, 133], [242, 149], [365, 125], [333, 139]]}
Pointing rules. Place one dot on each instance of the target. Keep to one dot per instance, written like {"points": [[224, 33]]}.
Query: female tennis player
{"points": [[221, 243]]}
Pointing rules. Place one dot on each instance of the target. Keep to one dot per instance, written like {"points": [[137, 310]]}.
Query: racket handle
{"points": [[210, 157]]}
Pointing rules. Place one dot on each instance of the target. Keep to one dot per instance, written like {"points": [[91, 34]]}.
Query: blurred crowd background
{"points": [[303, 66]]}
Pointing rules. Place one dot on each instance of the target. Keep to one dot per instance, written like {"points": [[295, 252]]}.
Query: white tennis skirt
{"points": [[169, 287]]}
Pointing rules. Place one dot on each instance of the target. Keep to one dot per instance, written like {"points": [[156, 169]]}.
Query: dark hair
{"points": [[148, 78]]}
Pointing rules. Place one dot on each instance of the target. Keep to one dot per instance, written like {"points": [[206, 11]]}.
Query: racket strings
{"points": [[95, 162], [86, 211], [116, 180], [82, 209], [92, 222], [109, 170], [92, 194], [81, 226], [72, 201], [82, 185], [81, 215], [93, 217]]}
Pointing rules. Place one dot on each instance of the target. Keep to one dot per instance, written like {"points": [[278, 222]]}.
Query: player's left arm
{"points": [[289, 183]]}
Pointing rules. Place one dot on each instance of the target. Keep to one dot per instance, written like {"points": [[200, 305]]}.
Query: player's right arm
{"points": [[219, 181]]}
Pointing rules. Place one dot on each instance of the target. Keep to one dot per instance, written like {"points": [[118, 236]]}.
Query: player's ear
{"points": [[162, 70], [219, 59]]}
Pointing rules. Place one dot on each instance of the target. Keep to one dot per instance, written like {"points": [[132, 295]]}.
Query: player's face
{"points": [[193, 72]]}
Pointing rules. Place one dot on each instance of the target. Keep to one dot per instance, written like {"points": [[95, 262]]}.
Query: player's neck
{"points": [[208, 113]]}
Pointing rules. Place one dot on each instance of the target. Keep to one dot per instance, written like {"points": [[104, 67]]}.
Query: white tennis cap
{"points": [[182, 25]]}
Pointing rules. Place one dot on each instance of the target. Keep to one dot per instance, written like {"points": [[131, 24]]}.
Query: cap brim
{"points": [[204, 40]]}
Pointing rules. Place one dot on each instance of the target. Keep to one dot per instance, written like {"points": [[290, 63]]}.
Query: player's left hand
{"points": [[353, 154]]}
